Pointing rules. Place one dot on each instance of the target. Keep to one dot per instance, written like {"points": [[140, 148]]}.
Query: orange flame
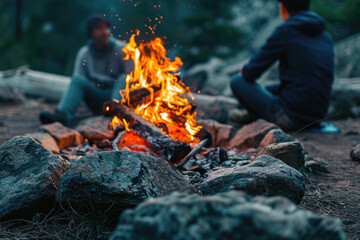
{"points": [[167, 107]]}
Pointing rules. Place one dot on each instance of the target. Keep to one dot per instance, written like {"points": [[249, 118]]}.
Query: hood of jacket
{"points": [[307, 22]]}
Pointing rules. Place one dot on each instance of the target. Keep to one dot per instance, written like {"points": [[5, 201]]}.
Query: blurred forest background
{"points": [[46, 34]]}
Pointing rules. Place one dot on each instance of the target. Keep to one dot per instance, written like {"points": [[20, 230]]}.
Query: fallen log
{"points": [[32, 83], [171, 149]]}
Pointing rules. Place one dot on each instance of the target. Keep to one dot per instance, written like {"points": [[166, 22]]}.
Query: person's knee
{"points": [[237, 84], [79, 80], [234, 82], [116, 95]]}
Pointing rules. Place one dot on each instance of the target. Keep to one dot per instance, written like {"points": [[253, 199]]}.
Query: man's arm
{"points": [[268, 54], [128, 66], [80, 63], [274, 88], [125, 66]]}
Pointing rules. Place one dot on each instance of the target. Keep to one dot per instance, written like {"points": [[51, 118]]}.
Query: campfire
{"points": [[155, 114]]}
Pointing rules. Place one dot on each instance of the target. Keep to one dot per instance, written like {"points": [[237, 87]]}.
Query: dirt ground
{"points": [[335, 194]]}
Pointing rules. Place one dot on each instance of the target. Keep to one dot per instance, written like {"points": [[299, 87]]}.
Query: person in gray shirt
{"points": [[99, 74]]}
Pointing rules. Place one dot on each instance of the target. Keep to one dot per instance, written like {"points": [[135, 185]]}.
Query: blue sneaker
{"points": [[326, 128]]}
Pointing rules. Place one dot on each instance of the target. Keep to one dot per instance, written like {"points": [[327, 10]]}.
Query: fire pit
{"points": [[155, 110], [147, 145]]}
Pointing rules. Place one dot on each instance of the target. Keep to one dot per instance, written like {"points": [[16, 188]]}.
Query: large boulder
{"points": [[232, 215], [264, 176], [251, 135], [348, 57], [214, 107], [29, 176], [345, 98], [291, 153], [121, 178]]}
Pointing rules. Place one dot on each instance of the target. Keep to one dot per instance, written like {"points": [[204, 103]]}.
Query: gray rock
{"points": [[220, 133], [242, 163], [348, 57], [29, 176], [264, 176], [232, 215], [216, 110], [11, 95], [316, 167], [122, 178], [345, 98], [214, 107], [355, 153], [291, 153], [250, 135], [95, 129], [46, 141], [276, 136]]}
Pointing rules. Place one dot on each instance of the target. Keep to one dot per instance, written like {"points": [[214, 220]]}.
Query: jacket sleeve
{"points": [[267, 55], [80, 63], [126, 66]]}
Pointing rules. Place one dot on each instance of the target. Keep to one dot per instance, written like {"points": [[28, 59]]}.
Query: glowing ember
{"points": [[133, 142], [166, 106]]}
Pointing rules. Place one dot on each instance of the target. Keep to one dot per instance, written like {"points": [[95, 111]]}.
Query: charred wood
{"points": [[171, 149]]}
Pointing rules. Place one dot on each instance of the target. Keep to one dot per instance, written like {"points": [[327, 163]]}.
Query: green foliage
{"points": [[54, 30], [209, 31], [343, 16], [50, 38]]}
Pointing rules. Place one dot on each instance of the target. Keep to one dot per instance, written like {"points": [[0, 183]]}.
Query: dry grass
{"points": [[59, 224]]}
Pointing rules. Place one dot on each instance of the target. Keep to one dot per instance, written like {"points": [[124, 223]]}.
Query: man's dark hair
{"points": [[296, 5], [94, 20]]}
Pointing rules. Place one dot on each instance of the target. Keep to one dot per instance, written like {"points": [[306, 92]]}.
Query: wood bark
{"points": [[48, 86], [171, 149]]}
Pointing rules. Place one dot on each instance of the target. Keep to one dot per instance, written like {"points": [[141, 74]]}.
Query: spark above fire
{"points": [[167, 104]]}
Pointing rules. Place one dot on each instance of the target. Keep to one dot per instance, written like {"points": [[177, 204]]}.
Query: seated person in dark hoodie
{"points": [[99, 74], [306, 56]]}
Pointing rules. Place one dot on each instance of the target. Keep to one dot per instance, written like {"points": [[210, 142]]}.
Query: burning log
{"points": [[172, 149], [141, 96], [131, 141]]}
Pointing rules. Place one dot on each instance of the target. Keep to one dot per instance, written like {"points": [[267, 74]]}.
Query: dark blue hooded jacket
{"points": [[306, 56]]}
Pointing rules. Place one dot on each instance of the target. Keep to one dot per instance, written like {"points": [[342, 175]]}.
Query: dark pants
{"points": [[82, 89], [262, 103]]}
